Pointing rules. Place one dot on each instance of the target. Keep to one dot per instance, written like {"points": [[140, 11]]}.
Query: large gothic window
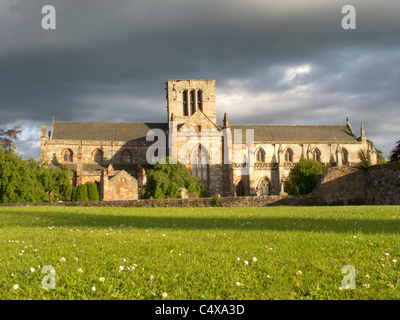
{"points": [[199, 162], [260, 155], [192, 100], [264, 187]]}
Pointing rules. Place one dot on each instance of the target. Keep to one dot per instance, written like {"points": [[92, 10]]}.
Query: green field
{"points": [[200, 253]]}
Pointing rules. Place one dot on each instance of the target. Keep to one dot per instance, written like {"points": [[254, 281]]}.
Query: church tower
{"points": [[185, 97]]}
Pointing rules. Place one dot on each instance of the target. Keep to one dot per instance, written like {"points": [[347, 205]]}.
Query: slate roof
{"points": [[104, 131], [298, 133], [137, 131]]}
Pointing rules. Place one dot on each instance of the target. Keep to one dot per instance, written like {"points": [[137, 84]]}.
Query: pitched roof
{"points": [[298, 133], [137, 131], [104, 131]]}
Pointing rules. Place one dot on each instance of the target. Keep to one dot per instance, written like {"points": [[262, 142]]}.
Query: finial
{"points": [[226, 121]]}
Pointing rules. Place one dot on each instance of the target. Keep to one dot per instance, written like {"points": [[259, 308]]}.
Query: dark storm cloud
{"points": [[288, 62]]}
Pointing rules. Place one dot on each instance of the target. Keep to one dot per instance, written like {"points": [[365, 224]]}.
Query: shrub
{"points": [[303, 177], [216, 202], [73, 193], [93, 194], [82, 193], [365, 159]]}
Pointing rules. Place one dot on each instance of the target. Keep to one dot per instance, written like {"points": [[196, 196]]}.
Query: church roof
{"points": [[104, 131], [298, 133], [137, 131]]}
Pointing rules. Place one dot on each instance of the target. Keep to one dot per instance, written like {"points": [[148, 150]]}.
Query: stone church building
{"points": [[230, 159]]}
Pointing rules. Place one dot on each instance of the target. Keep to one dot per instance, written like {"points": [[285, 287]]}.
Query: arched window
{"points": [[316, 155], [185, 103], [264, 187], [199, 162], [240, 189], [126, 156], [97, 156], [289, 155], [260, 155], [345, 156], [67, 155], [200, 100], [193, 101]]}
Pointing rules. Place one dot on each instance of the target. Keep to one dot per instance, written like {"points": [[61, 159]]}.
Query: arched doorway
{"points": [[240, 189], [264, 187]]}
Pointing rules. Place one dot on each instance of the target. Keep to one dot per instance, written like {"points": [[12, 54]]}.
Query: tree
{"points": [[165, 180], [18, 181], [365, 159], [395, 153], [8, 136], [56, 181], [24, 181], [303, 177]]}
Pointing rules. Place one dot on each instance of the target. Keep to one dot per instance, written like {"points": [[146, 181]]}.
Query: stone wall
{"points": [[383, 184], [122, 186], [199, 202], [379, 185], [341, 185]]}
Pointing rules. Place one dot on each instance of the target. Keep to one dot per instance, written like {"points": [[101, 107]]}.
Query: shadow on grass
{"points": [[76, 219]]}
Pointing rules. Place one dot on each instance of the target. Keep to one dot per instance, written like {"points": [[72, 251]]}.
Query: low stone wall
{"points": [[199, 202]]}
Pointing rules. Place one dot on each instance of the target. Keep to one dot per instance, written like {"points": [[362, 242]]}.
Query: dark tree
{"points": [[395, 153], [304, 176], [8, 136]]}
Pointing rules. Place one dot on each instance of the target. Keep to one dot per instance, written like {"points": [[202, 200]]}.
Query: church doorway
{"points": [[264, 187], [240, 189]]}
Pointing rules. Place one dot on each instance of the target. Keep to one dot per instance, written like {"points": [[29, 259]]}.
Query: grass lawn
{"points": [[200, 253]]}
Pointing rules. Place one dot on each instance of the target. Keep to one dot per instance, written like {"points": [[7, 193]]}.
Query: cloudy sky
{"points": [[275, 62]]}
